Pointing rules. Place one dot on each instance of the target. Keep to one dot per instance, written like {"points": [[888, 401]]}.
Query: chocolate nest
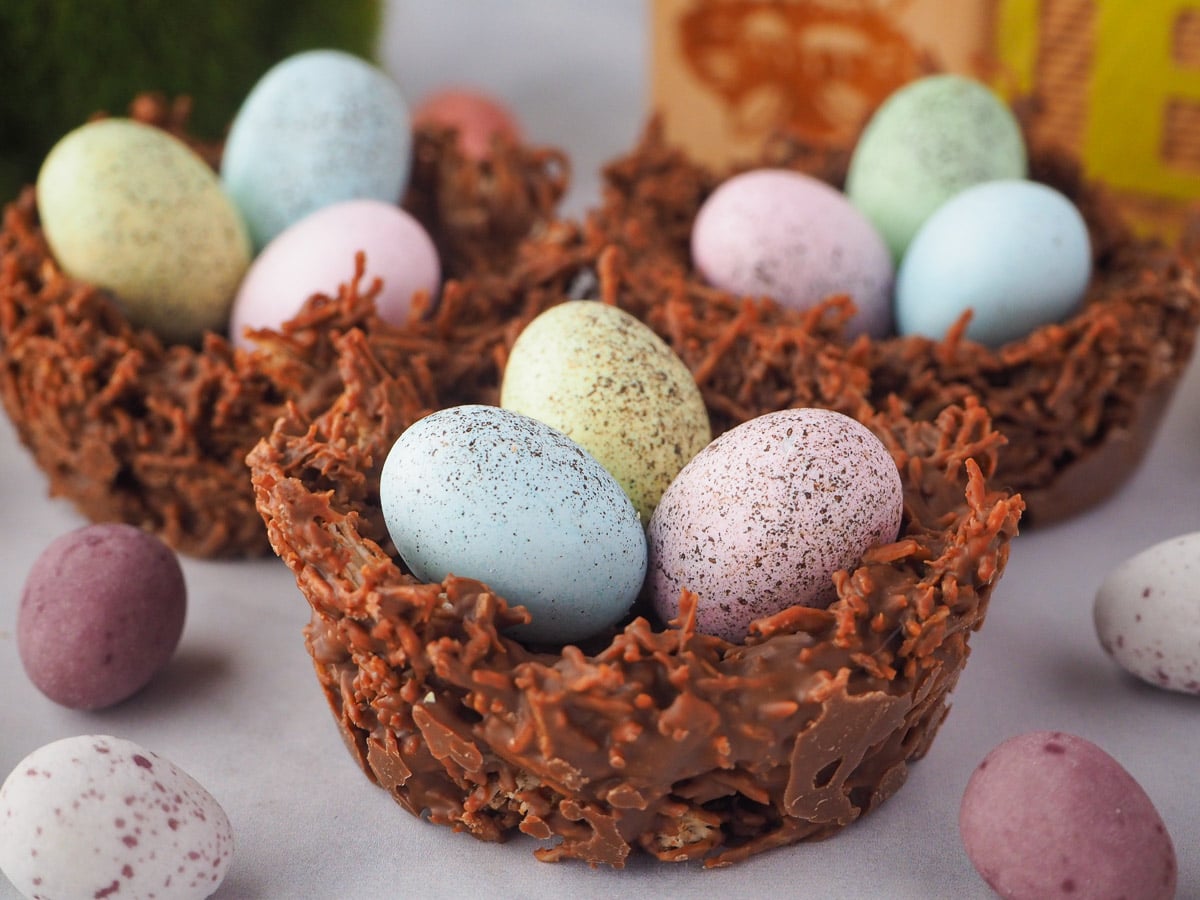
{"points": [[132, 430], [1079, 401], [652, 738]]}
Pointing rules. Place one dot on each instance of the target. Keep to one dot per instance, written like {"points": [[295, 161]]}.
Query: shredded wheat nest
{"points": [[132, 430], [1079, 401], [651, 738]]}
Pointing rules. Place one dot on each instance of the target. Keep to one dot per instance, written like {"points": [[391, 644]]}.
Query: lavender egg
{"points": [[1048, 814], [791, 237], [98, 816], [763, 516], [101, 614]]}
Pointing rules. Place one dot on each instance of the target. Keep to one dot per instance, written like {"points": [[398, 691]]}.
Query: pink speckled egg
{"points": [[1048, 814], [316, 255], [101, 614], [475, 115], [98, 816], [791, 237], [763, 516]]}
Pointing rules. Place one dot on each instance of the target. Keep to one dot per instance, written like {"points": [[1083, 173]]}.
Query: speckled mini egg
{"points": [[132, 209], [98, 816], [608, 382], [476, 116], [1015, 253], [1048, 814], [763, 516], [487, 493], [101, 614], [317, 255], [928, 141], [319, 127], [791, 237], [1147, 614]]}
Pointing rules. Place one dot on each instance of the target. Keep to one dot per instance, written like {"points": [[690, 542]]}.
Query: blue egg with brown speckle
{"points": [[319, 127], [486, 493]]}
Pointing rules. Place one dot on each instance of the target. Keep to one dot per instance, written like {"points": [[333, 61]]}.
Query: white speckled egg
{"points": [[928, 141], [791, 237], [134, 210], [317, 255], [763, 516], [1015, 253], [98, 816], [608, 382], [1147, 614], [487, 493], [319, 127]]}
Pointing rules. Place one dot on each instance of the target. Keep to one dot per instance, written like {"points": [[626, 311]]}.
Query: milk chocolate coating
{"points": [[155, 435], [1075, 398], [654, 738]]}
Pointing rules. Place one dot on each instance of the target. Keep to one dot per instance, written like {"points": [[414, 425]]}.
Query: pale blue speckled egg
{"points": [[791, 237], [319, 127], [486, 493], [1015, 253]]}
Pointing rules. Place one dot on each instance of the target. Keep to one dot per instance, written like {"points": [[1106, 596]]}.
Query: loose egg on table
{"points": [[101, 614], [604, 379], [928, 141], [130, 208], [1015, 253], [477, 117], [319, 127], [791, 237], [98, 816], [1147, 614], [486, 493], [761, 519], [1048, 814], [317, 255]]}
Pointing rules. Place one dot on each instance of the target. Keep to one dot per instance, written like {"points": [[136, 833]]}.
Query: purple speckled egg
{"points": [[98, 816], [791, 237], [1048, 814], [101, 614], [762, 517]]}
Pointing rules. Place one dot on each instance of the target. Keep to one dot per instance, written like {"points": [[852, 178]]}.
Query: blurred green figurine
{"points": [[62, 60]]}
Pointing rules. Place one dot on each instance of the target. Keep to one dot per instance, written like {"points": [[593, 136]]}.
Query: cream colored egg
{"points": [[132, 209], [597, 374]]}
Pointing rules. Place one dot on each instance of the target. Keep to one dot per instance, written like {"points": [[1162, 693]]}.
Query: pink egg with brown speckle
{"points": [[98, 816], [791, 237], [763, 516]]}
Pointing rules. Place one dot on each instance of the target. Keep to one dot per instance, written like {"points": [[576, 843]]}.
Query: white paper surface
{"points": [[239, 707]]}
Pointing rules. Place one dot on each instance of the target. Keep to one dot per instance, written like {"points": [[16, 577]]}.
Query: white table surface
{"points": [[239, 707]]}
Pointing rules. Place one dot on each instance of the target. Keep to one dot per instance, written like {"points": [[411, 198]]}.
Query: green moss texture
{"points": [[63, 60]]}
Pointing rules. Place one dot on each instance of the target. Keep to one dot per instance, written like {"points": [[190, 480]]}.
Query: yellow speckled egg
{"points": [[134, 210], [600, 376]]}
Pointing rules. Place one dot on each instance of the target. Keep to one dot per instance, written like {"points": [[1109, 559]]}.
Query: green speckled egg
{"points": [[597, 374], [131, 209], [927, 142]]}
